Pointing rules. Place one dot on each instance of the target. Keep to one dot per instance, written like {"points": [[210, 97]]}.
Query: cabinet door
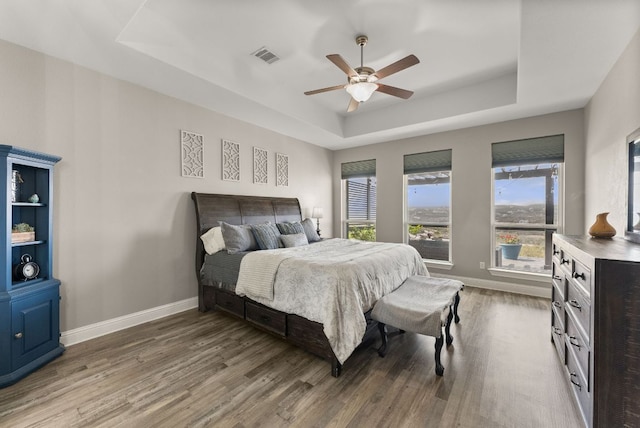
{"points": [[35, 326]]}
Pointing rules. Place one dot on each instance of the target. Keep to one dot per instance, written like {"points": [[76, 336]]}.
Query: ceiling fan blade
{"points": [[353, 105], [400, 65], [342, 64], [392, 90], [330, 88]]}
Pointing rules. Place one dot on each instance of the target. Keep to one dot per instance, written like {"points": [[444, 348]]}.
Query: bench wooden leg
{"points": [[456, 302], [382, 350], [439, 366], [447, 328]]}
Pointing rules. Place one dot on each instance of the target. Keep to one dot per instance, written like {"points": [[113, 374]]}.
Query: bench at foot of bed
{"points": [[422, 305]]}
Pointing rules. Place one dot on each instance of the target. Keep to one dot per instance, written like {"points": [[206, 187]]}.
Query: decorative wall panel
{"points": [[260, 175], [282, 169], [230, 161], [192, 154]]}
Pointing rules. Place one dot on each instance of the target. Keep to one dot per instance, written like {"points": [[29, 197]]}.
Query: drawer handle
{"points": [[557, 277], [574, 341], [575, 304], [265, 319], [557, 331], [557, 304], [574, 382], [18, 335], [564, 261], [581, 276], [556, 252]]}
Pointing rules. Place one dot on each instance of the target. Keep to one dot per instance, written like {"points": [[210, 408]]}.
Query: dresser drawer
{"points": [[579, 348], [558, 304], [557, 335], [582, 276], [578, 385], [559, 281], [267, 318], [579, 305], [230, 303]]}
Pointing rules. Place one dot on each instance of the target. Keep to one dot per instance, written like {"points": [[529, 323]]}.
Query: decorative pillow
{"points": [[237, 238], [267, 236], [294, 240], [213, 240], [309, 230], [290, 228]]}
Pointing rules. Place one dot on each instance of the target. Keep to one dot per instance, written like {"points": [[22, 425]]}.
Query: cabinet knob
{"points": [[571, 376], [575, 304], [564, 261], [581, 276], [18, 335], [574, 341]]}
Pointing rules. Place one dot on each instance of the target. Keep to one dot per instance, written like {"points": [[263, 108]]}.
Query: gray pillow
{"points": [[294, 240], [309, 230], [267, 236], [289, 228], [237, 238]]}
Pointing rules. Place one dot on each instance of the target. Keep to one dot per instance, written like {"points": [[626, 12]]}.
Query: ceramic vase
{"points": [[601, 228], [511, 251]]}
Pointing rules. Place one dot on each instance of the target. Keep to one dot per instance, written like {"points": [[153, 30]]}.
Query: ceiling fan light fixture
{"points": [[361, 91]]}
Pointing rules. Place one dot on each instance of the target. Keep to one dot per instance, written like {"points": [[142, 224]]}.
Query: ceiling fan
{"points": [[363, 81]]}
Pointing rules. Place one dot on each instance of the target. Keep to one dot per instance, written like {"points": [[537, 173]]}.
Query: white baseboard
{"points": [[544, 290], [80, 334]]}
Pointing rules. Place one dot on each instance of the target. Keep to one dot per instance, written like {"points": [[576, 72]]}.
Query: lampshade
{"points": [[361, 91], [317, 212]]}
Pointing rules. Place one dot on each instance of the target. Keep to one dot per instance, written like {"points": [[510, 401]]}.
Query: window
{"points": [[527, 178], [359, 184], [428, 203]]}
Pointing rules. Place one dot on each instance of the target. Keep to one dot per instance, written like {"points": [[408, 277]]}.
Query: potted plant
{"points": [[22, 232], [510, 245]]}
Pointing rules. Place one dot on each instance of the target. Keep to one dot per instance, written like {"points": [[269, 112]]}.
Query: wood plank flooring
{"points": [[208, 369]]}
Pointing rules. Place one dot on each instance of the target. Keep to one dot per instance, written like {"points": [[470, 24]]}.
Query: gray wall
{"points": [[124, 223], [612, 114], [470, 184]]}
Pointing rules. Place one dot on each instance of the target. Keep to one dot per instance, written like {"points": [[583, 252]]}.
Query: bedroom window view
{"points": [[359, 189], [525, 216], [428, 203], [429, 213]]}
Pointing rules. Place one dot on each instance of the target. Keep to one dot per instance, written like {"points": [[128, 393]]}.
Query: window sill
{"points": [[437, 264], [529, 276]]}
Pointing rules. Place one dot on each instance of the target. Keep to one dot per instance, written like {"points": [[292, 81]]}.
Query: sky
{"points": [[507, 192]]}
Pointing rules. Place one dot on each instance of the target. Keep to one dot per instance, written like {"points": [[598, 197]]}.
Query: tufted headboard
{"points": [[236, 209]]}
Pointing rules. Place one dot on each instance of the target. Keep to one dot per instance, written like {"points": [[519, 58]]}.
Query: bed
{"points": [[338, 320]]}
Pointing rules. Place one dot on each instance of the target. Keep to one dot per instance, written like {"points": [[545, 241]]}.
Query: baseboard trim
{"points": [[81, 334], [509, 287]]}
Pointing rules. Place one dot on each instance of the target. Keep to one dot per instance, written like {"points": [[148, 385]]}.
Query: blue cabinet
{"points": [[29, 295]]}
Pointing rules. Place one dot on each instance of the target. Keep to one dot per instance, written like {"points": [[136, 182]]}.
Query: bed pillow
{"points": [[267, 236], [290, 227], [310, 230], [294, 240], [237, 238], [213, 240]]}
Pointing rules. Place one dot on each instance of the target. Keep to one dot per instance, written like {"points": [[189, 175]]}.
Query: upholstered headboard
{"points": [[235, 209]]}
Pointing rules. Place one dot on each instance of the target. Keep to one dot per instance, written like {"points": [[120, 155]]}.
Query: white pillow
{"points": [[212, 240], [294, 240]]}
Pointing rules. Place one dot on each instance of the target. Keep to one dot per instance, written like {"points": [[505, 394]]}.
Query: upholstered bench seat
{"points": [[422, 305]]}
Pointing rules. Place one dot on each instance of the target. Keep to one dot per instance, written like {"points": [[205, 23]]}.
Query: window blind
{"points": [[365, 168], [529, 151], [361, 198], [427, 162]]}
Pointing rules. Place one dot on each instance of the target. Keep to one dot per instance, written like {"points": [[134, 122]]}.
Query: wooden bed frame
{"points": [[235, 209]]}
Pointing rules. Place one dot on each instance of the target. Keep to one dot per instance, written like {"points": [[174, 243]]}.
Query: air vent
{"points": [[266, 55]]}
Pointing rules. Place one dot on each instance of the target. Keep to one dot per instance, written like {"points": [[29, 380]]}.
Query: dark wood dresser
{"points": [[595, 326]]}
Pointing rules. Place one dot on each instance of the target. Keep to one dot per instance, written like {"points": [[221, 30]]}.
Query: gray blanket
{"points": [[335, 281]]}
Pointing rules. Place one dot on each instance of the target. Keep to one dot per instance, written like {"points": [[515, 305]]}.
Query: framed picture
{"points": [[230, 161], [192, 154], [260, 175]]}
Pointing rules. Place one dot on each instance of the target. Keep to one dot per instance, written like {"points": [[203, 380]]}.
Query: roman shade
{"points": [[427, 162], [548, 149], [359, 169]]}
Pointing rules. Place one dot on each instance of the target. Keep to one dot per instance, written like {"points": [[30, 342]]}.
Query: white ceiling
{"points": [[481, 61]]}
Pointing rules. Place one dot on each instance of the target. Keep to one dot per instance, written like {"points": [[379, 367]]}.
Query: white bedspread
{"points": [[332, 282]]}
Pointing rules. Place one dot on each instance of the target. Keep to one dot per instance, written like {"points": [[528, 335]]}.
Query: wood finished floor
{"points": [[208, 369]]}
